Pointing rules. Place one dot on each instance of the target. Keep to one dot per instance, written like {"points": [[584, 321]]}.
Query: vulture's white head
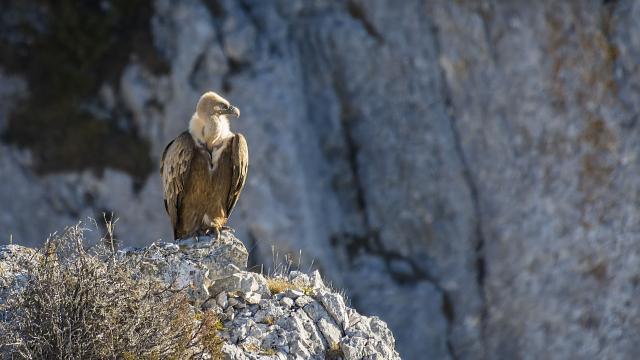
{"points": [[210, 123]]}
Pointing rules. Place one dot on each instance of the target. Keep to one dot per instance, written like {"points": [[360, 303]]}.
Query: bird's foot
{"points": [[228, 228], [201, 233], [211, 231]]}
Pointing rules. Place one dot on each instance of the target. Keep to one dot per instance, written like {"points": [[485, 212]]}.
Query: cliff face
{"points": [[468, 168]]}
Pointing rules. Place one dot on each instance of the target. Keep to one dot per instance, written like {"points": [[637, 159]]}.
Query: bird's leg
{"points": [[217, 233]]}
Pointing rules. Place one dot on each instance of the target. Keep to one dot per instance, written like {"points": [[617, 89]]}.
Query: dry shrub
{"points": [[207, 335], [80, 303]]}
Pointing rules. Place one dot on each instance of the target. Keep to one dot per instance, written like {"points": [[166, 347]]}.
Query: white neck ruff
{"points": [[209, 133]]}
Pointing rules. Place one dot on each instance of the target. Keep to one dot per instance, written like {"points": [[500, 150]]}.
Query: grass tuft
{"points": [[278, 285], [334, 352]]}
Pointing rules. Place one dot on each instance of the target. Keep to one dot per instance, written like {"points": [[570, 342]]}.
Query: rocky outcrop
{"points": [[310, 322], [289, 316], [474, 159]]}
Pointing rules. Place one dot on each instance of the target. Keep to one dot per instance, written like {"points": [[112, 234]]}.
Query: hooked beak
{"points": [[232, 110]]}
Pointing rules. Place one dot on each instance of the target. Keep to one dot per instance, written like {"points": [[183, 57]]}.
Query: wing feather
{"points": [[240, 166], [174, 170]]}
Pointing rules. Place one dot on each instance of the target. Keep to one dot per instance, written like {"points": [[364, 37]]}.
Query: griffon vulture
{"points": [[204, 170]]}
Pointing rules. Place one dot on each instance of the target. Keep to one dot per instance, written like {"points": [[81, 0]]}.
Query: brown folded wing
{"points": [[240, 166], [174, 170]]}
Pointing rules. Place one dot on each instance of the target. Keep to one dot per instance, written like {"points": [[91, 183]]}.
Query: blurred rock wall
{"points": [[466, 170]]}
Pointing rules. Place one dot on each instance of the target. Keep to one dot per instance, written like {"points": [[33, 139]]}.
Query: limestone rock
{"points": [[243, 282], [14, 259], [194, 262]]}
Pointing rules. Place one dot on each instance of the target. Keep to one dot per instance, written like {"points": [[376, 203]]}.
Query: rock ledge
{"points": [[291, 316]]}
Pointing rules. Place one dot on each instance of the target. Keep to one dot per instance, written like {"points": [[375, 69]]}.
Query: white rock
{"points": [[353, 348], [299, 350], [334, 304], [193, 263], [287, 302], [252, 297], [316, 311], [330, 331], [299, 279], [293, 293], [244, 282], [316, 280], [260, 316], [233, 352], [303, 300], [232, 301], [222, 300], [380, 329]]}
